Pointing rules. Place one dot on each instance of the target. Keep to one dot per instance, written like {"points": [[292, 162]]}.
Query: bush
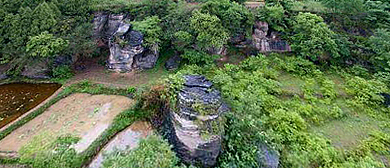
{"points": [[237, 19], [62, 72], [274, 16], [209, 31], [313, 39], [45, 45], [366, 91], [380, 44], [198, 57], [150, 28]]}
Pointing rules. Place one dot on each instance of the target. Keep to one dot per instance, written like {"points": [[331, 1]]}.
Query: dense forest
{"points": [[322, 102]]}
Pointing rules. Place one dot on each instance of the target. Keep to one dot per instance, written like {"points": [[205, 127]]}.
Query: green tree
{"points": [[209, 31], [45, 45], [234, 17], [79, 8], [150, 28], [345, 6], [15, 30], [182, 40], [380, 44], [274, 16], [313, 39], [44, 18]]}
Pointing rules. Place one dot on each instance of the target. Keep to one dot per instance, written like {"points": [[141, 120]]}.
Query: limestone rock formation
{"points": [[3, 72], [267, 42], [196, 123], [37, 69], [125, 44], [173, 62]]}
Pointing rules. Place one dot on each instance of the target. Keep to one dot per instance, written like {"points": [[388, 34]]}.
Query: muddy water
{"points": [[18, 98]]}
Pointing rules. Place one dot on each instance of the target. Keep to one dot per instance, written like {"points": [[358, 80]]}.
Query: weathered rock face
{"points": [[173, 62], [38, 69], [125, 44], [266, 157], [3, 72], [267, 42], [196, 124]]}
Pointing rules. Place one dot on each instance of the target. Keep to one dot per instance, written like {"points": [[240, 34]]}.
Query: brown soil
{"points": [[77, 115], [98, 74]]}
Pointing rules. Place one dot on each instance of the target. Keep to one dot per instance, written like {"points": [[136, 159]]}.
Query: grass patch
{"points": [[152, 152], [347, 132]]}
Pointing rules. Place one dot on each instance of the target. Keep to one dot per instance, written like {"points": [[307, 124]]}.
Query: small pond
{"points": [[18, 98]]}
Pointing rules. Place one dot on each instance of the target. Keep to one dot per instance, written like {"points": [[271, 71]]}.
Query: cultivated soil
{"points": [[82, 115]]}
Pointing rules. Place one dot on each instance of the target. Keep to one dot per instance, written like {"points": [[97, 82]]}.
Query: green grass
{"points": [[152, 152], [309, 6], [347, 132]]}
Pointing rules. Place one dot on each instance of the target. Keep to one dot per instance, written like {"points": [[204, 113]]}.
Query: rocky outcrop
{"points": [[173, 62], [37, 69], [266, 157], [264, 41], [196, 123], [126, 50], [3, 72]]}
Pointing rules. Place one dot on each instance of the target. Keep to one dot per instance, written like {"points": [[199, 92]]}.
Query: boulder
{"points": [[147, 60], [173, 62], [196, 123], [37, 69], [266, 157], [265, 41], [62, 60]]}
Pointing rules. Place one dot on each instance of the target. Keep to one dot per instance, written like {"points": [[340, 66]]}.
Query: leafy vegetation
{"points": [[151, 152], [336, 75]]}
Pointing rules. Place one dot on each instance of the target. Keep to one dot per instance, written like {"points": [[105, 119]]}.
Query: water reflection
{"points": [[18, 98]]}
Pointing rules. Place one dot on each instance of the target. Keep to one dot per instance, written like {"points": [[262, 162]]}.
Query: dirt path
{"points": [[98, 74], [82, 115]]}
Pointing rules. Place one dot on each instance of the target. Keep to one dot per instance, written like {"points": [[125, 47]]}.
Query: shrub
{"points": [[313, 39], [150, 28], [380, 44], [45, 45], [366, 91], [274, 16], [237, 19], [62, 72], [198, 57], [209, 31]]}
